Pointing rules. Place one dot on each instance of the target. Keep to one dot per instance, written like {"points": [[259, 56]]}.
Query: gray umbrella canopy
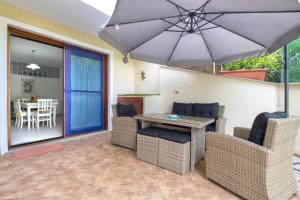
{"points": [[187, 33]]}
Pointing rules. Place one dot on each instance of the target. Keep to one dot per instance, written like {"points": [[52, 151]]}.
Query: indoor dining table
{"points": [[197, 125], [33, 105]]}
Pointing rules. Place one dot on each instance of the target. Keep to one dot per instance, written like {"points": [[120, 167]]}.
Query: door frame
{"points": [[12, 31]]}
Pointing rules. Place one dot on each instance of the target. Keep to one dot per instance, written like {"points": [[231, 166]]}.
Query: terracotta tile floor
{"points": [[92, 168]]}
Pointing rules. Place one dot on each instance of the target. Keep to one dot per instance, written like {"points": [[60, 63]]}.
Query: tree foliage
{"points": [[294, 64], [273, 63]]}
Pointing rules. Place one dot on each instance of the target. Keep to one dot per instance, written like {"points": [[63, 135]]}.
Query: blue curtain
{"points": [[84, 91]]}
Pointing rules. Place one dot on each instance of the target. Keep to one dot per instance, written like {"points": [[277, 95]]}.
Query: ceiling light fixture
{"points": [[32, 65], [105, 6]]}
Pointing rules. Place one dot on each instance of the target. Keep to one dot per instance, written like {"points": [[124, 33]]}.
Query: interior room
{"points": [[36, 76]]}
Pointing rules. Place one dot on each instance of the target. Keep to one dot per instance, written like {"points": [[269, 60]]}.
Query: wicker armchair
{"points": [[124, 130], [253, 171], [220, 123]]}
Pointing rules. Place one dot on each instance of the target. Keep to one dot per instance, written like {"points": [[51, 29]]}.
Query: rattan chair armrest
{"points": [[124, 119], [220, 125], [237, 147], [130, 121], [241, 132]]}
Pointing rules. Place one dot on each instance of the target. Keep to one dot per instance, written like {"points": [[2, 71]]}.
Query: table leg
{"points": [[54, 115], [197, 146], [28, 117]]}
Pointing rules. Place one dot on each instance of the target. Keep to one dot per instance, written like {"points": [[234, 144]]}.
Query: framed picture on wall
{"points": [[27, 85]]}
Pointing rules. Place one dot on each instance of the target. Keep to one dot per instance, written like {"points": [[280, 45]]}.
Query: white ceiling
{"points": [[73, 13], [45, 55]]}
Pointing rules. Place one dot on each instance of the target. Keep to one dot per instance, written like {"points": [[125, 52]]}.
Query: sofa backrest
{"points": [[114, 110], [221, 111]]}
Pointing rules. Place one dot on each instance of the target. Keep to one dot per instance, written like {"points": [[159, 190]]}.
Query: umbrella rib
{"points": [[175, 47], [202, 7], [177, 43], [175, 4], [175, 31], [209, 21], [153, 36], [208, 49], [208, 28], [146, 20], [175, 24], [245, 37], [253, 12]]}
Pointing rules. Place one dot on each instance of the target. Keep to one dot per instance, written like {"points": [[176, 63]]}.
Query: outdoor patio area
{"points": [[99, 170], [150, 100], [92, 168]]}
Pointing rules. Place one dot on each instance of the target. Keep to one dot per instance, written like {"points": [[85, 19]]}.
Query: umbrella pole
{"points": [[214, 67], [286, 80]]}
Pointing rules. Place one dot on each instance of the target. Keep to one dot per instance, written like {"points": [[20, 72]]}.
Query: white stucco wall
{"points": [[150, 84]]}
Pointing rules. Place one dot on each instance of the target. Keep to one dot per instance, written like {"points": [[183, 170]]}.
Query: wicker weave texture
{"points": [[174, 156], [124, 130], [252, 171], [221, 121], [147, 149]]}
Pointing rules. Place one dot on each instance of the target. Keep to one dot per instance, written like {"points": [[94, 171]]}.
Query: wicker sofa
{"points": [[124, 130], [253, 171], [189, 110], [221, 121]]}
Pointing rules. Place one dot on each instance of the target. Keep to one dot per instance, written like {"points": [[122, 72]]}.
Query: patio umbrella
{"points": [[183, 33]]}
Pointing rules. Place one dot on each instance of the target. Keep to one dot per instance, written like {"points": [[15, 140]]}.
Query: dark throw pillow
{"points": [[259, 127], [208, 110], [126, 110], [182, 109]]}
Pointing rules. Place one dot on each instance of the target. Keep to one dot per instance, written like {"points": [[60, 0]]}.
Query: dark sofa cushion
{"points": [[182, 109], [175, 136], [126, 110], [258, 130], [209, 110], [150, 131]]}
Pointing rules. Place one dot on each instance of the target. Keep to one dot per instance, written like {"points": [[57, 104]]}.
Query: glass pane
{"points": [[86, 109], [85, 74]]}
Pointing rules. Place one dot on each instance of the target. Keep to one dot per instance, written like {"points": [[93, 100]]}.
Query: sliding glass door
{"points": [[83, 91]]}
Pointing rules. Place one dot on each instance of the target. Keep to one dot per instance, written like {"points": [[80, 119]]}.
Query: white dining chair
{"points": [[44, 112], [21, 116], [16, 113], [25, 100], [54, 101]]}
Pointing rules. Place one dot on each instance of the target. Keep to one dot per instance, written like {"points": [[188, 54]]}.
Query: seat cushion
{"points": [[182, 109], [150, 131], [259, 126], [210, 110], [126, 110], [175, 136]]}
